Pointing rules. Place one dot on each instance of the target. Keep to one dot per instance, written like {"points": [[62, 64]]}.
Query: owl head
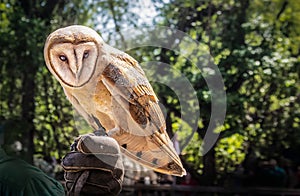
{"points": [[71, 54]]}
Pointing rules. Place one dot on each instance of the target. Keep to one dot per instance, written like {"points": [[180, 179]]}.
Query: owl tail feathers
{"points": [[174, 165], [177, 170], [154, 151], [171, 167]]}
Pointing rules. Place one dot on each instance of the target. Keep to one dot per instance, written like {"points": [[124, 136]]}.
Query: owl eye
{"points": [[85, 54], [63, 58]]}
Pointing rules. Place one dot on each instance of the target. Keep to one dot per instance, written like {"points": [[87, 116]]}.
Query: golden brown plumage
{"points": [[107, 85]]}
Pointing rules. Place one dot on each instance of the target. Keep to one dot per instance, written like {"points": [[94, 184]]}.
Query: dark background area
{"points": [[255, 45]]}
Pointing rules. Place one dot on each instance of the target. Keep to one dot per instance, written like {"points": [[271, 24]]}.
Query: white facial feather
{"points": [[73, 64]]}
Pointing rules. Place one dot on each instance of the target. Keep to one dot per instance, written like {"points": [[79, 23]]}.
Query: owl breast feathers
{"points": [[109, 89]]}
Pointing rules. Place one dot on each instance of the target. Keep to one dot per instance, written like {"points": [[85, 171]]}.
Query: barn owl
{"points": [[110, 90]]}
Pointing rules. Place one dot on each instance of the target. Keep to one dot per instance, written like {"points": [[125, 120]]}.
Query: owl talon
{"points": [[113, 131], [73, 146], [100, 132]]}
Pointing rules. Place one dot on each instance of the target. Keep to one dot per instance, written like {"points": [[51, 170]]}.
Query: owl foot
{"points": [[113, 131], [100, 132], [74, 145]]}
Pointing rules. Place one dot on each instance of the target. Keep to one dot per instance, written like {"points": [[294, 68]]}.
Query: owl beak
{"points": [[76, 70]]}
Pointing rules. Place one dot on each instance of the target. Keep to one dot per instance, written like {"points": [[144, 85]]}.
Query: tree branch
{"points": [[283, 7]]}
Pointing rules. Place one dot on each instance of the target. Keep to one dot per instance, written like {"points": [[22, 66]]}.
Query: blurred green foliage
{"points": [[255, 45]]}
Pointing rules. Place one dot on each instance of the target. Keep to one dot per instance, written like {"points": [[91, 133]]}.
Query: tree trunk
{"points": [[28, 109], [209, 168], [29, 68], [209, 161]]}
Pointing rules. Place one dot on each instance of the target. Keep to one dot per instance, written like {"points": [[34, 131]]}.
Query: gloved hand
{"points": [[94, 167]]}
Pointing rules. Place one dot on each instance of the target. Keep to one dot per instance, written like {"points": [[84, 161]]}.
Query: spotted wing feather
{"points": [[147, 142]]}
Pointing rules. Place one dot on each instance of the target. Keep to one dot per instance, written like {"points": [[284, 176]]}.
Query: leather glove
{"points": [[94, 167]]}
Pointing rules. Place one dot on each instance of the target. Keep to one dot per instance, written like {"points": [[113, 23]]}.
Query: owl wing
{"points": [[143, 137]]}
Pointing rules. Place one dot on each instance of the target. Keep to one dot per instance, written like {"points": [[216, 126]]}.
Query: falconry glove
{"points": [[94, 167]]}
